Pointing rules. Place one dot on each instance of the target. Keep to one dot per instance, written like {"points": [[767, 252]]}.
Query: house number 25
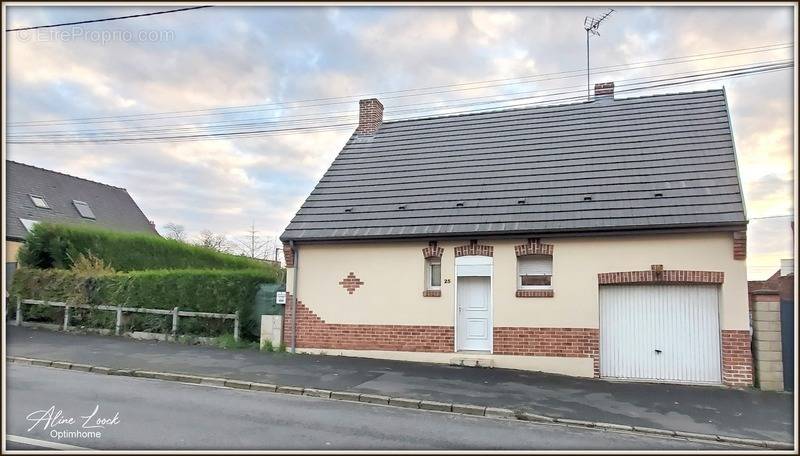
{"points": [[446, 280]]}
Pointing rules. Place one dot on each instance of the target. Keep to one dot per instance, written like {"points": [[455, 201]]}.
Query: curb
{"points": [[460, 409]]}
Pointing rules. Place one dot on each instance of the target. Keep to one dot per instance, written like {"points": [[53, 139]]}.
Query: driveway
{"points": [[714, 410]]}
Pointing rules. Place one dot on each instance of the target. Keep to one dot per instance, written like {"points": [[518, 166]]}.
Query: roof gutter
{"points": [[296, 255], [626, 231]]}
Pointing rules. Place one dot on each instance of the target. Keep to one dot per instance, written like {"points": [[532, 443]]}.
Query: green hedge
{"points": [[201, 290], [56, 246]]}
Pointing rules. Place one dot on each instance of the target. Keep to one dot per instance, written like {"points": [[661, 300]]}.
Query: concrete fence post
{"points": [[175, 323], [236, 326], [118, 327], [66, 318], [19, 312]]}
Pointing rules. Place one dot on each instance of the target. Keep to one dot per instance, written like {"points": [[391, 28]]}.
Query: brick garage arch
{"points": [[658, 275]]}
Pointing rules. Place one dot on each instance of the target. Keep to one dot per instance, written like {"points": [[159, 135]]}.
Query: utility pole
{"points": [[591, 24]]}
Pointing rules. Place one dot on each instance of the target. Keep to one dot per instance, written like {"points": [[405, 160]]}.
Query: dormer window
{"points": [[39, 201], [84, 209]]}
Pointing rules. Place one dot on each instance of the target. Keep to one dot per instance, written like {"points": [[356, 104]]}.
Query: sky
{"points": [[266, 58]]}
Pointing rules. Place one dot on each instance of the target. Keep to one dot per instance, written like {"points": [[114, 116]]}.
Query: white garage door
{"points": [[660, 332]]}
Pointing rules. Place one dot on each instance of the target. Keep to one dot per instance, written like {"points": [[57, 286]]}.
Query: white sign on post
{"points": [[280, 297]]}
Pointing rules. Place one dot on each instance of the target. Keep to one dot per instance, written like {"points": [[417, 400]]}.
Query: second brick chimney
{"points": [[370, 116], [604, 91]]}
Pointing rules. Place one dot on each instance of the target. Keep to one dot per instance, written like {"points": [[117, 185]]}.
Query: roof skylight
{"points": [[39, 201], [84, 209], [28, 224]]}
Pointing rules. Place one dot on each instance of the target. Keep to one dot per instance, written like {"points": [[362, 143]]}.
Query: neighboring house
{"points": [[595, 239], [39, 195]]}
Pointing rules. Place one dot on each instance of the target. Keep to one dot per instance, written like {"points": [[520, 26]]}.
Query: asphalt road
{"points": [[152, 414], [746, 413]]}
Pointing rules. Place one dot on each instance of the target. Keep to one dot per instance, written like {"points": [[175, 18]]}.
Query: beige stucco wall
{"points": [[12, 247], [393, 276]]}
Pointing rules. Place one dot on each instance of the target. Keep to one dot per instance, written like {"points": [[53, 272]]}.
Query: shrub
{"points": [[200, 290], [59, 246], [90, 264]]}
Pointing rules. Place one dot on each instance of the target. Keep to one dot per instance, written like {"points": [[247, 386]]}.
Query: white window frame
{"points": [[44, 201], [429, 262], [520, 286]]}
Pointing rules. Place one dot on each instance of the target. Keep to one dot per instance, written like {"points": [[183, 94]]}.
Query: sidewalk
{"points": [[711, 410]]}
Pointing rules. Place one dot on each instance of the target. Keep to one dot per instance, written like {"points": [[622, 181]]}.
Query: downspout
{"points": [[296, 255]]}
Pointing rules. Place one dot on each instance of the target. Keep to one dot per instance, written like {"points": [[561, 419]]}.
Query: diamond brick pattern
{"points": [[351, 283]]}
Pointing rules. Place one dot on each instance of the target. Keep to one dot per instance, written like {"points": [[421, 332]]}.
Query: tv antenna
{"points": [[591, 24]]}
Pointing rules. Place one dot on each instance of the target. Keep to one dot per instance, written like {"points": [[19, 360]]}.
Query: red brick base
{"points": [[313, 332], [566, 342], [737, 358]]}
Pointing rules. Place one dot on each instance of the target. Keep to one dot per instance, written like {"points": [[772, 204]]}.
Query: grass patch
{"points": [[227, 342]]}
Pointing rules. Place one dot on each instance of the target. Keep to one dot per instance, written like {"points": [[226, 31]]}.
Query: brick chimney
{"points": [[370, 116], [604, 91]]}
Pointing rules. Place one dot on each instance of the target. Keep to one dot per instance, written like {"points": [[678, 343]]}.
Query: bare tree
{"points": [[214, 241], [254, 246], [175, 231]]}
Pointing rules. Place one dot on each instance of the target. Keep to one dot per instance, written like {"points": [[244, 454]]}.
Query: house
{"points": [[40, 195], [595, 239]]}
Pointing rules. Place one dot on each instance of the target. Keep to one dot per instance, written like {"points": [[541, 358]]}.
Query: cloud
{"points": [[248, 55]]}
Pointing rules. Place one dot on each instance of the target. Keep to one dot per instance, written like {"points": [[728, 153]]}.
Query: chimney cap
{"points": [[604, 89]]}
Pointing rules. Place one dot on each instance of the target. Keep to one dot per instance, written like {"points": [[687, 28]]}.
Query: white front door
{"points": [[660, 332], [474, 307]]}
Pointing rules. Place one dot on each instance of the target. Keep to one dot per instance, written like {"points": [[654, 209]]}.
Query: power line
{"points": [[247, 133], [304, 119], [280, 106], [771, 217], [92, 21], [350, 115], [667, 82], [351, 98]]}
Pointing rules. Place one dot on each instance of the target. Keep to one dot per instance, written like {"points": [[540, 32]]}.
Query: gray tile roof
{"points": [[662, 161], [113, 207]]}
